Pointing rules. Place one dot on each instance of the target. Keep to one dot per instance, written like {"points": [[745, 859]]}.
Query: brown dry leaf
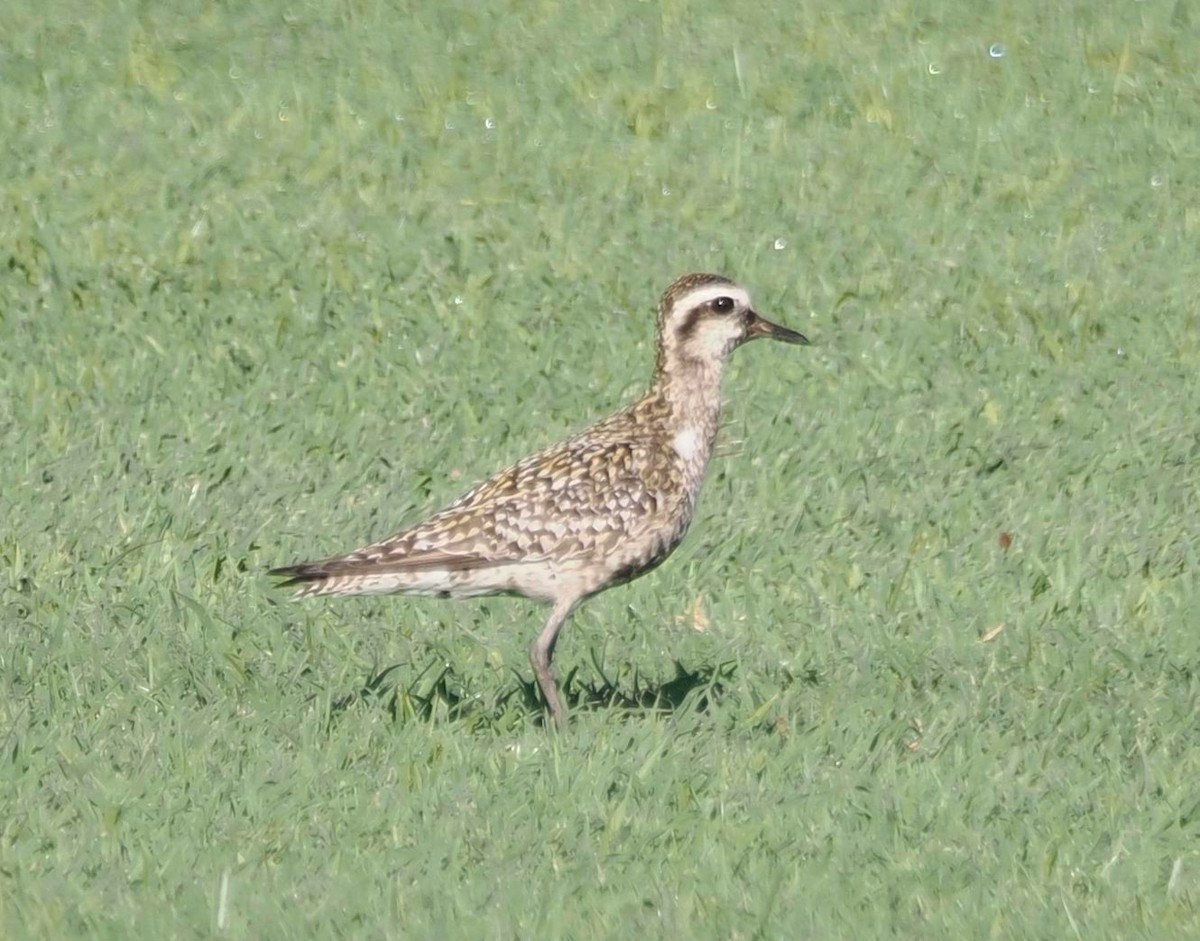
{"points": [[992, 634], [697, 617]]}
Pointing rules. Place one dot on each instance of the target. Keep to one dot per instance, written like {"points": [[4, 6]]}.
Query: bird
{"points": [[593, 511]]}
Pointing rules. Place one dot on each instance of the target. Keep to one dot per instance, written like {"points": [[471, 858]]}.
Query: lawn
{"points": [[275, 280]]}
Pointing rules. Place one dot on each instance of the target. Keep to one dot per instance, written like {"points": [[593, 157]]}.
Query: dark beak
{"points": [[761, 327]]}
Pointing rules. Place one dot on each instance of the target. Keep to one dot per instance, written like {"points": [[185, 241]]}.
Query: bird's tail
{"points": [[309, 578]]}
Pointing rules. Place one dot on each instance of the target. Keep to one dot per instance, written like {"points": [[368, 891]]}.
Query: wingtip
{"points": [[296, 574]]}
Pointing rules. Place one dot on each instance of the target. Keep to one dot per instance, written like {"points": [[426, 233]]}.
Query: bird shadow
{"points": [[688, 690], [441, 696]]}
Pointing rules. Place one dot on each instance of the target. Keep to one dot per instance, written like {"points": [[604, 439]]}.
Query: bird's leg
{"points": [[542, 653]]}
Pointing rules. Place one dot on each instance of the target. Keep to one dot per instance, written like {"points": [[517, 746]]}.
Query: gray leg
{"points": [[542, 653]]}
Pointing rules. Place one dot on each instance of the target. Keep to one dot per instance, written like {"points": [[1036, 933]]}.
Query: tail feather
{"points": [[324, 578], [426, 573], [361, 563], [313, 578], [298, 574]]}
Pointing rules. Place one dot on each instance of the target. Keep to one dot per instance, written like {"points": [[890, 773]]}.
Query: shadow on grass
{"points": [[444, 698]]}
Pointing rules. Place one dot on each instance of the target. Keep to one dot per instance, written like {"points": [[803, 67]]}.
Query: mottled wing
{"points": [[579, 500], [576, 500]]}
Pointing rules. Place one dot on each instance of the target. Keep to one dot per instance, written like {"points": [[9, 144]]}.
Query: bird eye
{"points": [[723, 305]]}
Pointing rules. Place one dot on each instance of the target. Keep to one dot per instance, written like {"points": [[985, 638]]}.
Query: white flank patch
{"points": [[687, 444]]}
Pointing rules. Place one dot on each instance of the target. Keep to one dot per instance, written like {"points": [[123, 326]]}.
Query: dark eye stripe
{"points": [[689, 325]]}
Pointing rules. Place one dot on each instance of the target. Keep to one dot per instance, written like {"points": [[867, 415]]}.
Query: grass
{"points": [[274, 280]]}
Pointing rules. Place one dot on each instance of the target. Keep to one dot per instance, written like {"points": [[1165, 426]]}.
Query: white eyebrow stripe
{"points": [[710, 292]]}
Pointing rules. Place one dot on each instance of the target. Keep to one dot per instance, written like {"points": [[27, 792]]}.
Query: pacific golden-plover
{"points": [[596, 510]]}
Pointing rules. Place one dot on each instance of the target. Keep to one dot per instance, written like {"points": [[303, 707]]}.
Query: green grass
{"points": [[277, 279]]}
